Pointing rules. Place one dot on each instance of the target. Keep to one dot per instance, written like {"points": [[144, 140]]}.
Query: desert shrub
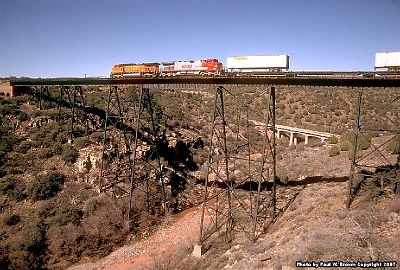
{"points": [[96, 203], [5, 187], [363, 140], [23, 117], [282, 175], [57, 149], [279, 151], [11, 219], [7, 142], [45, 153], [23, 147], [28, 251], [283, 141], [9, 109], [47, 210], [14, 170], [11, 190], [395, 206], [351, 154], [97, 136], [315, 142], [346, 145], [69, 154], [45, 185], [68, 214], [81, 142], [334, 151], [300, 147], [333, 139], [394, 145]]}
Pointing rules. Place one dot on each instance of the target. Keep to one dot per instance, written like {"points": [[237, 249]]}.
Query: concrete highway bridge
{"points": [[294, 132]]}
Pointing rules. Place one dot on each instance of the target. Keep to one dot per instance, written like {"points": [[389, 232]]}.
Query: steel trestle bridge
{"points": [[227, 211]]}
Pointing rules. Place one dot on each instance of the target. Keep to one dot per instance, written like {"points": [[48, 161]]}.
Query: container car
{"points": [[389, 60], [271, 63]]}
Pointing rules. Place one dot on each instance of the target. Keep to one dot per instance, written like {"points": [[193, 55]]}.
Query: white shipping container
{"points": [[258, 62], [387, 59]]}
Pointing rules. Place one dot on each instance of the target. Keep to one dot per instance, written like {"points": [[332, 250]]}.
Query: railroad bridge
{"points": [[220, 201]]}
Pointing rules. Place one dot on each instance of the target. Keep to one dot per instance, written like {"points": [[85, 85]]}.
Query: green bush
{"points": [[15, 171], [300, 146], [363, 140], [23, 117], [346, 145], [28, 251], [68, 214], [97, 136], [11, 219], [334, 151], [7, 142], [57, 149], [81, 142], [282, 175], [11, 190], [351, 153], [45, 153], [333, 139], [45, 185], [69, 154], [394, 145], [23, 147]]}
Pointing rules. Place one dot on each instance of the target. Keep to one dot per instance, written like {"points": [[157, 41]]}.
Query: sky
{"points": [[77, 38]]}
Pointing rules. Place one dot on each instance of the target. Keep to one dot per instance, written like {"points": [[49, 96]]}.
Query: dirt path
{"points": [[174, 239]]}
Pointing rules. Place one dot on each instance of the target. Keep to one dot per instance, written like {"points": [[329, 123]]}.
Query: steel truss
{"points": [[71, 107], [130, 164], [238, 205], [378, 162], [39, 93]]}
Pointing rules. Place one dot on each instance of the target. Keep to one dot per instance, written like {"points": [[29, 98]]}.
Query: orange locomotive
{"points": [[142, 70]]}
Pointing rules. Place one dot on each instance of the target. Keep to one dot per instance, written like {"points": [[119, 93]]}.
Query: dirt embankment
{"points": [[5, 88], [175, 236]]}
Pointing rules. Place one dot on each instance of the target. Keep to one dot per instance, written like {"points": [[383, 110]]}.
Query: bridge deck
{"points": [[349, 82]]}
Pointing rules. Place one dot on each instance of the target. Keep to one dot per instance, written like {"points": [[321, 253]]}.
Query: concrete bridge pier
{"points": [[291, 138]]}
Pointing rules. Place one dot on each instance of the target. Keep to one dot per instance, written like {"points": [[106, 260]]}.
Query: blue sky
{"points": [[54, 38]]}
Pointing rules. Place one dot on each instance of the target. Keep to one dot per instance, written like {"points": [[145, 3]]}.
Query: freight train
{"points": [[249, 66]]}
